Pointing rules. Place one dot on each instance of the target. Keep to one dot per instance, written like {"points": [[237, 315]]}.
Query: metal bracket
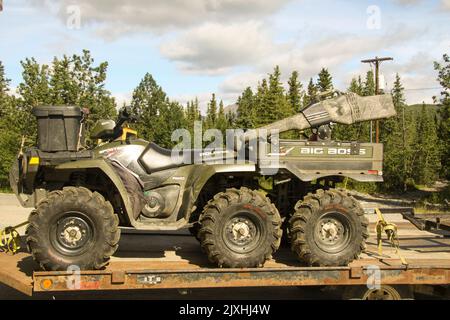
{"points": [[118, 277], [355, 148], [356, 272]]}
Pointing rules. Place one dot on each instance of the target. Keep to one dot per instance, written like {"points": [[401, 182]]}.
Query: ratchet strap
{"points": [[10, 239], [391, 232]]}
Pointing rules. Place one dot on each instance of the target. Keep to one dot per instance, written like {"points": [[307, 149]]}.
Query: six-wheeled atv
{"points": [[82, 196]]}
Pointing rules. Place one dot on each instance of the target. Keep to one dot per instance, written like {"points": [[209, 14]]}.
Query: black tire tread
{"points": [[310, 204], [217, 205], [61, 198]]}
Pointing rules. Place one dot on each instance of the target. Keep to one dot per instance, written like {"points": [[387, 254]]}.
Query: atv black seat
{"points": [[155, 158]]}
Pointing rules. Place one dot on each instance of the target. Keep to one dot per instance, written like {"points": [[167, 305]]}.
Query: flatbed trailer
{"points": [[176, 262]]}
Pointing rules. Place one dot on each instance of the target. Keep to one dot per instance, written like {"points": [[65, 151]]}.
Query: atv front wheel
{"points": [[240, 229], [73, 226], [328, 228]]}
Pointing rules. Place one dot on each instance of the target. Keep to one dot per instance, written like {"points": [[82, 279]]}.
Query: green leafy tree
{"points": [[67, 81], [4, 82], [171, 117], [90, 80], [158, 116], [148, 101], [10, 137]]}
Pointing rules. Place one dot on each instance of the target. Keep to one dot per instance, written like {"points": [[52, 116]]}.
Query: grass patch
{"points": [[5, 190]]}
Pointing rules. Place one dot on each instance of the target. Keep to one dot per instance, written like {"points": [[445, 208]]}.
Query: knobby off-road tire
{"points": [[73, 226], [240, 229], [328, 228]]}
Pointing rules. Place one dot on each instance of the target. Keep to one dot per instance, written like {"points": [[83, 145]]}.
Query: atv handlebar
{"points": [[125, 114]]}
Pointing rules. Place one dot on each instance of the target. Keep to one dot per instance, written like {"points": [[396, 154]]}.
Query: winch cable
{"points": [[391, 232], [10, 239]]}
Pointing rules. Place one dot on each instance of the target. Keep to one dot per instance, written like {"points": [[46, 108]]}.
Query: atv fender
{"points": [[108, 170]]}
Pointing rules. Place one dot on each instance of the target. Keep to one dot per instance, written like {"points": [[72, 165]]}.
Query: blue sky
{"points": [[197, 47]]}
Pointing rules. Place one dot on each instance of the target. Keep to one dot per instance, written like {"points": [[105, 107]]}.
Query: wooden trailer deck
{"points": [[176, 261]]}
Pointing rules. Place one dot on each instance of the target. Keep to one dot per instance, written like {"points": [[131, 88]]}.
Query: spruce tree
{"points": [[262, 115], [325, 81], [295, 92], [246, 112], [369, 84], [444, 113], [427, 161], [192, 113], [277, 104], [397, 135], [222, 122], [311, 94], [356, 86], [211, 113]]}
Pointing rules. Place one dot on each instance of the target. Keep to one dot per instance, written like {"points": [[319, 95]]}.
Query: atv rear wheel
{"points": [[73, 226], [240, 229], [328, 228]]}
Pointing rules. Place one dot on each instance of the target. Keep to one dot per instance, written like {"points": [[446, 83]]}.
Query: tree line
{"points": [[416, 141]]}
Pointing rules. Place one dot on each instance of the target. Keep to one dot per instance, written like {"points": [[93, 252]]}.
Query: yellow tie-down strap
{"points": [[391, 232], [10, 239]]}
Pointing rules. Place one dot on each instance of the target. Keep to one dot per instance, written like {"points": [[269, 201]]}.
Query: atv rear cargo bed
{"points": [[176, 262]]}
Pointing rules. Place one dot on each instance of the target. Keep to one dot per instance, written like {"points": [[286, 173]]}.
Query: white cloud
{"points": [[408, 2], [122, 98], [445, 4], [113, 18], [223, 37], [214, 48], [235, 84]]}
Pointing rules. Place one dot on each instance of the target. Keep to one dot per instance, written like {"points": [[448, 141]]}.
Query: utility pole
{"points": [[376, 61]]}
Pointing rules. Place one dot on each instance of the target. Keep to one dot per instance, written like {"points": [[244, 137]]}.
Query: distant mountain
{"points": [[232, 108], [418, 107], [431, 108]]}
